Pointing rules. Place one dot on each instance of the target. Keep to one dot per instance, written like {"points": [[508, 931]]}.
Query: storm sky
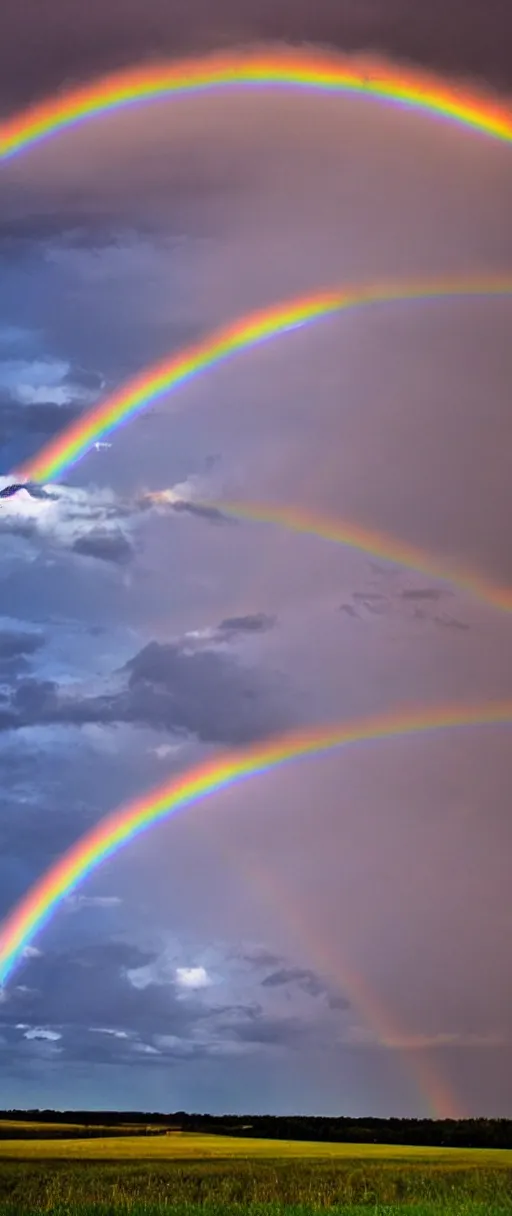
{"points": [[251, 954]]}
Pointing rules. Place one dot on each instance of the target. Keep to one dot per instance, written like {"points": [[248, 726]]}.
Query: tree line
{"points": [[448, 1133]]}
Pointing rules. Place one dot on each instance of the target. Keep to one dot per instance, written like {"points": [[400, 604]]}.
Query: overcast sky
{"points": [[251, 954]]}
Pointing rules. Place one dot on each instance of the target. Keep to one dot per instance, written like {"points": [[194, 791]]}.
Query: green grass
{"points": [[201, 1175], [452, 1207], [455, 1209]]}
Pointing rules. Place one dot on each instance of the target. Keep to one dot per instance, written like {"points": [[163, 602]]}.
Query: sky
{"points": [[333, 937]]}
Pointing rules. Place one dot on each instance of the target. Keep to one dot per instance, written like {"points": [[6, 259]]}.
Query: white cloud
{"points": [[26, 377], [192, 977], [64, 515], [75, 902], [41, 381], [41, 1033], [163, 750], [115, 1034]]}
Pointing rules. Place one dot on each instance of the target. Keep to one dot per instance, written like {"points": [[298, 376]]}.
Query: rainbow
{"points": [[239, 336], [118, 828], [243, 335], [38, 905], [343, 532], [335, 967], [311, 71]]}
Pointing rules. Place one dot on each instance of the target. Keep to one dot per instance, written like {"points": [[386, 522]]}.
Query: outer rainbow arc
{"points": [[378, 544], [338, 970], [295, 69]]}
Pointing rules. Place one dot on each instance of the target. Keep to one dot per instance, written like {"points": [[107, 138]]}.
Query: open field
{"points": [[26, 1129], [185, 1146], [192, 1174]]}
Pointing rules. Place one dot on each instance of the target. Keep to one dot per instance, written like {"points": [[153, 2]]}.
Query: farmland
{"points": [[191, 1174]]}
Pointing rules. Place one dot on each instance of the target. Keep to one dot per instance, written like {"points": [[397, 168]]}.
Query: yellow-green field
{"points": [[190, 1174], [40, 1129], [179, 1146]]}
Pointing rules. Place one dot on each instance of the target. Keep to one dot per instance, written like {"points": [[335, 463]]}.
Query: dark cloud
{"points": [[36, 226], [88, 1001], [90, 986], [451, 622], [106, 546], [45, 418], [295, 975], [308, 981], [42, 51], [17, 648], [20, 232], [422, 593], [256, 622], [284, 977], [372, 601], [203, 512], [415, 604], [349, 610], [168, 687], [35, 699], [200, 691], [14, 643], [261, 957], [251, 1025], [25, 529]]}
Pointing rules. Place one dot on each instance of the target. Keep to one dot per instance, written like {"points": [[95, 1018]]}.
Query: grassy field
{"points": [[39, 1129], [203, 1175], [192, 1146]]}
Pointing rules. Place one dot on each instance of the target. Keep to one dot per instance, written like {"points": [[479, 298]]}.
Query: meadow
{"points": [[191, 1174]]}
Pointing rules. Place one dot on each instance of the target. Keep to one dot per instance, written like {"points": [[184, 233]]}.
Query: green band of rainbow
{"points": [[313, 71], [118, 828]]}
